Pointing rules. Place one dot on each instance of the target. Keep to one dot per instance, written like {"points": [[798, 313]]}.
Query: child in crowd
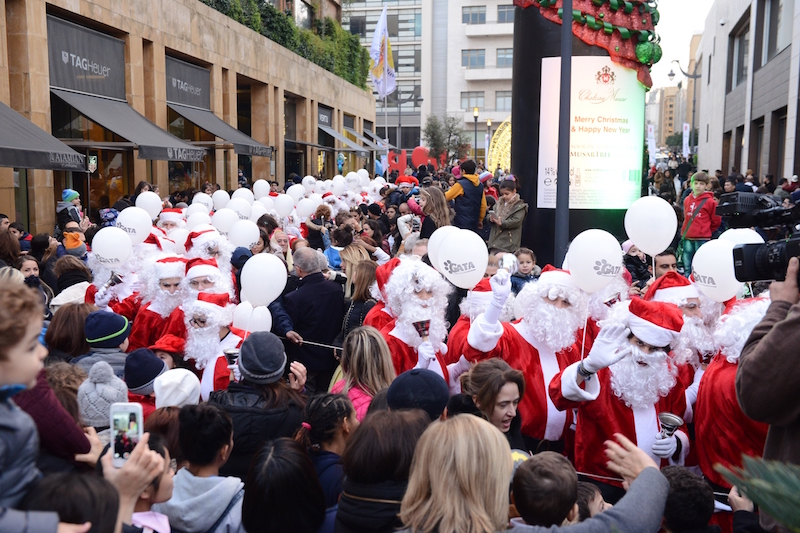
{"points": [[341, 237], [491, 266], [18, 230], [318, 227], [545, 491], [96, 395], [528, 269], [169, 348], [590, 501], [159, 491], [506, 219], [107, 334], [636, 263], [690, 502], [142, 367], [700, 218]]}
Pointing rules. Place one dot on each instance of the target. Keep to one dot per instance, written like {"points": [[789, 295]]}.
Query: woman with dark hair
{"points": [[45, 249], [376, 465], [282, 492], [29, 267], [262, 244], [269, 224], [65, 338], [372, 229], [73, 277], [141, 187], [9, 249]]}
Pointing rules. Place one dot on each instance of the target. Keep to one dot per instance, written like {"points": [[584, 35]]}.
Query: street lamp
{"points": [[693, 76], [475, 149], [488, 136]]}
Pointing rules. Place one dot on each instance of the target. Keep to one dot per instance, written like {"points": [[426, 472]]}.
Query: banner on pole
{"points": [[686, 131], [381, 64]]}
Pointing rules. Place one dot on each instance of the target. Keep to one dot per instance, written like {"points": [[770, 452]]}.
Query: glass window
{"points": [[392, 23], [470, 99], [505, 13], [473, 15], [418, 60], [503, 101], [777, 27], [505, 57], [741, 47], [358, 25], [473, 58], [417, 24], [304, 15]]}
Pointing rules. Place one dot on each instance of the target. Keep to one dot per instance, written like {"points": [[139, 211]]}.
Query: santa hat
{"points": [[201, 234], [172, 344], [169, 267], [171, 215], [214, 304], [656, 323], [384, 272], [404, 180], [329, 193], [199, 267], [672, 288], [481, 293], [557, 276]]}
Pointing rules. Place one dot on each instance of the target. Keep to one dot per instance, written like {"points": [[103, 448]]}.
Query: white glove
{"points": [[427, 359], [455, 370], [501, 288], [237, 374], [608, 348], [665, 447], [691, 392], [103, 297]]}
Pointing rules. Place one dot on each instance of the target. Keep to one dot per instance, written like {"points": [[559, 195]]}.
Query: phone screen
{"points": [[126, 433]]}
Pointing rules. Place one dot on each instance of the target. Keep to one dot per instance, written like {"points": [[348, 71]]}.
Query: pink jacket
{"points": [[360, 399]]}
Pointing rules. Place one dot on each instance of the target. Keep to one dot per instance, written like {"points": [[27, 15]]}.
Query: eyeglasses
{"points": [[198, 322]]}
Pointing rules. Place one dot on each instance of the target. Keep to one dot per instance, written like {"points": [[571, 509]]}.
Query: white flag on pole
{"points": [[381, 64]]}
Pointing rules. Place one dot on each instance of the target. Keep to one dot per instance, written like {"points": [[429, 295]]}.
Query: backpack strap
{"points": [[236, 497], [696, 212]]}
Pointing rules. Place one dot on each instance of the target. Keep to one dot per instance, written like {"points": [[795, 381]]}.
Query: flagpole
{"points": [[385, 82]]}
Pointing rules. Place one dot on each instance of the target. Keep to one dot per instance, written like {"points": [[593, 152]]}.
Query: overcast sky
{"points": [[680, 19]]}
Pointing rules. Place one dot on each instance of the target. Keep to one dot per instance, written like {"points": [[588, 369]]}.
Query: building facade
{"points": [[750, 62], [669, 114], [171, 92]]}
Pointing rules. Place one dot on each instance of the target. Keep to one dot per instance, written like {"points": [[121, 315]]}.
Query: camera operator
{"points": [[767, 379]]}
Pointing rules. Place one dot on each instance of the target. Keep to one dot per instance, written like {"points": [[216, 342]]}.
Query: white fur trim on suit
{"points": [[645, 423], [484, 336], [650, 333], [200, 271], [676, 295], [572, 391]]}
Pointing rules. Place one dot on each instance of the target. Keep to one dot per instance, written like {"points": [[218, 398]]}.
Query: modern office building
{"points": [[749, 57], [171, 92]]}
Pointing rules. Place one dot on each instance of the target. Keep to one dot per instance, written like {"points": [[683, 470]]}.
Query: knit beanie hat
{"points": [[142, 367], [176, 388], [68, 195], [262, 358], [95, 395], [106, 330], [73, 244], [240, 256], [375, 209], [419, 388]]}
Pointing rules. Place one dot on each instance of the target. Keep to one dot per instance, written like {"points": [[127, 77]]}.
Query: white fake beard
{"points": [[734, 329], [164, 302], [416, 310], [695, 339], [598, 310], [222, 285], [641, 386], [202, 345], [551, 325]]}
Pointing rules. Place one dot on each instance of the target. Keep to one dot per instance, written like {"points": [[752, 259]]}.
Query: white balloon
{"points": [[150, 202], [195, 219], [241, 315], [224, 219], [220, 199], [323, 186], [437, 238], [179, 236], [364, 179], [305, 208], [296, 192], [338, 185], [283, 204], [136, 222], [240, 207], [363, 172], [111, 246], [267, 202], [712, 270], [263, 279], [379, 179], [651, 223], [309, 182], [742, 236], [353, 181], [250, 319], [257, 211], [244, 233], [203, 198], [245, 194], [317, 199], [195, 208], [463, 258], [261, 188], [595, 258]]}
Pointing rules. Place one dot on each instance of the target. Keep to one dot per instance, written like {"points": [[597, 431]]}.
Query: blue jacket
{"points": [[334, 260], [518, 280]]}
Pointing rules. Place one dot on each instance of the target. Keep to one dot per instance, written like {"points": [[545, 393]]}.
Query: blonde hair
{"points": [[11, 275], [436, 206], [351, 256], [459, 479], [367, 361]]}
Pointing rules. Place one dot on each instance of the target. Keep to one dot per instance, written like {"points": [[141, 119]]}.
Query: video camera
{"points": [[766, 261]]}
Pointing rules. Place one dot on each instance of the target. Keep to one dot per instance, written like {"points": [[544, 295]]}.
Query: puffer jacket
{"points": [[253, 424], [66, 212], [19, 446], [508, 235]]}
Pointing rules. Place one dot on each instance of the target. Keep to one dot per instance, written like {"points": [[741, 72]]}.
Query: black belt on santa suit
{"points": [[535, 445]]}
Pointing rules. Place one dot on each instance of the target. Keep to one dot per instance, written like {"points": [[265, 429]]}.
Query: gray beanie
{"points": [[262, 358], [95, 395]]}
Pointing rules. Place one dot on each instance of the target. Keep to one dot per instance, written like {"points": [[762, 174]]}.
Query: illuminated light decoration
{"points": [[500, 147]]}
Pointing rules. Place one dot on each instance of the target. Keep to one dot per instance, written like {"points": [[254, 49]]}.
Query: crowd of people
{"points": [[380, 397]]}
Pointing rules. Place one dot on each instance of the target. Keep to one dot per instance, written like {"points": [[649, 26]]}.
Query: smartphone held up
{"points": [[126, 430]]}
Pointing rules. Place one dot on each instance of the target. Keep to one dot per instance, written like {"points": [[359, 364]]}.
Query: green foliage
{"points": [[773, 485], [327, 45], [445, 137], [433, 136]]}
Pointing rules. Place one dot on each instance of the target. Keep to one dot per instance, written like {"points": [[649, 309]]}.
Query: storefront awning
{"points": [[377, 139], [25, 145], [205, 119], [360, 152], [369, 144], [117, 116]]}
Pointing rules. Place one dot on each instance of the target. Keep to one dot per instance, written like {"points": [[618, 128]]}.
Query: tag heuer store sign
{"points": [[188, 84]]}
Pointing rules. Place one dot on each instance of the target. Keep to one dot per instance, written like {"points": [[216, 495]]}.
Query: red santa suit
{"points": [[152, 320], [404, 356], [380, 316], [126, 301], [601, 413]]}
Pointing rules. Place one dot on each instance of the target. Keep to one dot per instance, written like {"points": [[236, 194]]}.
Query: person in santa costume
{"points": [[116, 289], [723, 432], [209, 333], [622, 386], [170, 220], [335, 204], [206, 242], [202, 275], [381, 316], [540, 345], [417, 295], [161, 294]]}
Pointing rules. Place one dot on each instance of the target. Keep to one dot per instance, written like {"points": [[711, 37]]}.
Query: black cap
{"points": [[419, 389]]}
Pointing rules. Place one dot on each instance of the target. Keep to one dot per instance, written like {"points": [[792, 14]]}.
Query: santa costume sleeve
{"points": [[222, 374], [175, 323], [567, 394], [484, 336]]}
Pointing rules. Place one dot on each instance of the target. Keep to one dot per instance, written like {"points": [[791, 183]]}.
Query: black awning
{"points": [[25, 145], [369, 144], [360, 152], [117, 116], [378, 140], [205, 119]]}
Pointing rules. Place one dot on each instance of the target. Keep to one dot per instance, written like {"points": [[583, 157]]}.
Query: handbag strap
{"points": [[696, 212]]}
